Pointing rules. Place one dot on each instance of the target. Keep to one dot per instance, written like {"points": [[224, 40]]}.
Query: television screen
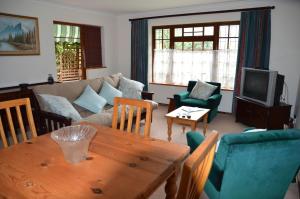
{"points": [[256, 85]]}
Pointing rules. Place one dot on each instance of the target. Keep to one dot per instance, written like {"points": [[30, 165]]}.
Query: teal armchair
{"points": [[258, 165], [182, 99]]}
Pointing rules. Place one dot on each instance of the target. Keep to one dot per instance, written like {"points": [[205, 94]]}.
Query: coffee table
{"points": [[189, 116]]}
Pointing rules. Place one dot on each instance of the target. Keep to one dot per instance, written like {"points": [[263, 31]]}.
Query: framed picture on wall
{"points": [[19, 35]]}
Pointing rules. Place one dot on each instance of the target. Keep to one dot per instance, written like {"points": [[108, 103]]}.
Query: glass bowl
{"points": [[74, 141]]}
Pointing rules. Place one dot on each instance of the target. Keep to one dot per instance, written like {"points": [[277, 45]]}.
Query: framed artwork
{"points": [[19, 35]]}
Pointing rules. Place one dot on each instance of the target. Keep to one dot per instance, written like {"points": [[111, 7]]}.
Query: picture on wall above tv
{"points": [[262, 86]]}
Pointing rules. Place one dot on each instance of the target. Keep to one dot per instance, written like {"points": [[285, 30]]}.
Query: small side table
{"points": [[172, 105]]}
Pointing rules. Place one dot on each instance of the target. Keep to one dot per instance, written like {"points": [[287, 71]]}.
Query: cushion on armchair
{"points": [[195, 102], [202, 90]]}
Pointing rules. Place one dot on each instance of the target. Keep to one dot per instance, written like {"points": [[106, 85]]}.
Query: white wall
{"points": [[30, 69], [285, 53]]}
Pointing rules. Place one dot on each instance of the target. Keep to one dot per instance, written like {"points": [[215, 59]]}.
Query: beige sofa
{"points": [[72, 90]]}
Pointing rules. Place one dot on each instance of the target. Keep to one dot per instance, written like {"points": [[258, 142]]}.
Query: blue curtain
{"points": [[254, 44], [139, 51]]}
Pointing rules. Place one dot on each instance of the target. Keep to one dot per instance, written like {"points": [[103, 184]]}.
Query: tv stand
{"points": [[260, 116]]}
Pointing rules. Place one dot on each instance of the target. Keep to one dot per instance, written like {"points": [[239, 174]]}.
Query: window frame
{"points": [[84, 66], [215, 38]]}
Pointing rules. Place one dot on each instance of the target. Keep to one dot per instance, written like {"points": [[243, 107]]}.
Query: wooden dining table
{"points": [[119, 166]]}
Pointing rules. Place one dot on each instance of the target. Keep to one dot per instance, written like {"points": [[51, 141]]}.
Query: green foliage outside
{"points": [[61, 47]]}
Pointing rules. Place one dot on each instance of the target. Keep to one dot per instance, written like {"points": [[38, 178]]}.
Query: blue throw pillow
{"points": [[108, 92], [90, 100]]}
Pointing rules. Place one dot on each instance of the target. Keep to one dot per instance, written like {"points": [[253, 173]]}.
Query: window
{"points": [[68, 52], [77, 47], [195, 51]]}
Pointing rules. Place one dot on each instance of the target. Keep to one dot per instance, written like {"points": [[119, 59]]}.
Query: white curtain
{"points": [[178, 67]]}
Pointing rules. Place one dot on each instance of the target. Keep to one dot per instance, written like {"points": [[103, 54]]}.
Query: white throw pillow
{"points": [[130, 88], [202, 90], [59, 105]]}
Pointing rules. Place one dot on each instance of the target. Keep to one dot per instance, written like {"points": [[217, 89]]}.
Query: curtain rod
{"points": [[204, 13]]}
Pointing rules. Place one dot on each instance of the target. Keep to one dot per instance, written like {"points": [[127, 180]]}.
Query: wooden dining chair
{"points": [[135, 111], [16, 104], [196, 168]]}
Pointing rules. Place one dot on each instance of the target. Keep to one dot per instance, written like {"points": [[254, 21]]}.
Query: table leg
{"points": [[194, 126], [171, 187], [205, 123], [183, 129], [172, 105], [170, 122]]}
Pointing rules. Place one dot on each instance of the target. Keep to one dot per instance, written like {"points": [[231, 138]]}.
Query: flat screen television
{"points": [[262, 86]]}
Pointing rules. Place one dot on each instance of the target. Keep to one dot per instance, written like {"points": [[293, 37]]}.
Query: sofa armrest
{"points": [[216, 175], [147, 95], [51, 121], [180, 96], [214, 100], [194, 139]]}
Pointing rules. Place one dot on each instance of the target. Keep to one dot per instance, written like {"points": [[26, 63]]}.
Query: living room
{"points": [[113, 18]]}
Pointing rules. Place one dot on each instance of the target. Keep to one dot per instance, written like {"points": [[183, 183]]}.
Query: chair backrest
{"points": [[196, 169], [193, 83], [131, 109], [258, 164], [16, 104]]}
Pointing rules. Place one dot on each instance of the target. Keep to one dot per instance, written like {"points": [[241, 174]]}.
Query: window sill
{"points": [[178, 85], [165, 84]]}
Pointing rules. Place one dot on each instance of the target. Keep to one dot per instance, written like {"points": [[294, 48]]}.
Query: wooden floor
{"points": [[223, 123]]}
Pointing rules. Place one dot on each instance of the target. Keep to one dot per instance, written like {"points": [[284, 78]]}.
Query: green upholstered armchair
{"points": [[182, 99], [258, 165]]}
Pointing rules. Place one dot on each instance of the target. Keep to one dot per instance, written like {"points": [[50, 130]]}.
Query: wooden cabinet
{"points": [[260, 116]]}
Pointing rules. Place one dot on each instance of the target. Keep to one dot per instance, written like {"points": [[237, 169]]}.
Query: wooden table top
{"points": [[120, 165], [184, 110]]}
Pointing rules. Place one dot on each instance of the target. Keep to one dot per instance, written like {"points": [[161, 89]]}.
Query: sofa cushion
{"points": [[109, 93], [103, 118], [75, 88], [194, 102], [113, 79], [90, 100], [59, 105], [86, 113], [153, 103], [69, 90], [202, 90], [130, 88]]}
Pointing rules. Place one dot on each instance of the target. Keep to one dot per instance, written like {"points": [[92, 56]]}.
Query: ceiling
{"points": [[131, 6]]}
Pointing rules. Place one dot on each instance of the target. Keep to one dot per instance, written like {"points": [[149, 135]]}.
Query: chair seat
{"points": [[195, 102]]}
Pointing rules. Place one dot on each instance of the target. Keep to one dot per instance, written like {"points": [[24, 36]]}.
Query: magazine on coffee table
{"points": [[191, 109]]}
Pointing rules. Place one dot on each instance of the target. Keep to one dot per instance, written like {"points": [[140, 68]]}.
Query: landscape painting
{"points": [[19, 35]]}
